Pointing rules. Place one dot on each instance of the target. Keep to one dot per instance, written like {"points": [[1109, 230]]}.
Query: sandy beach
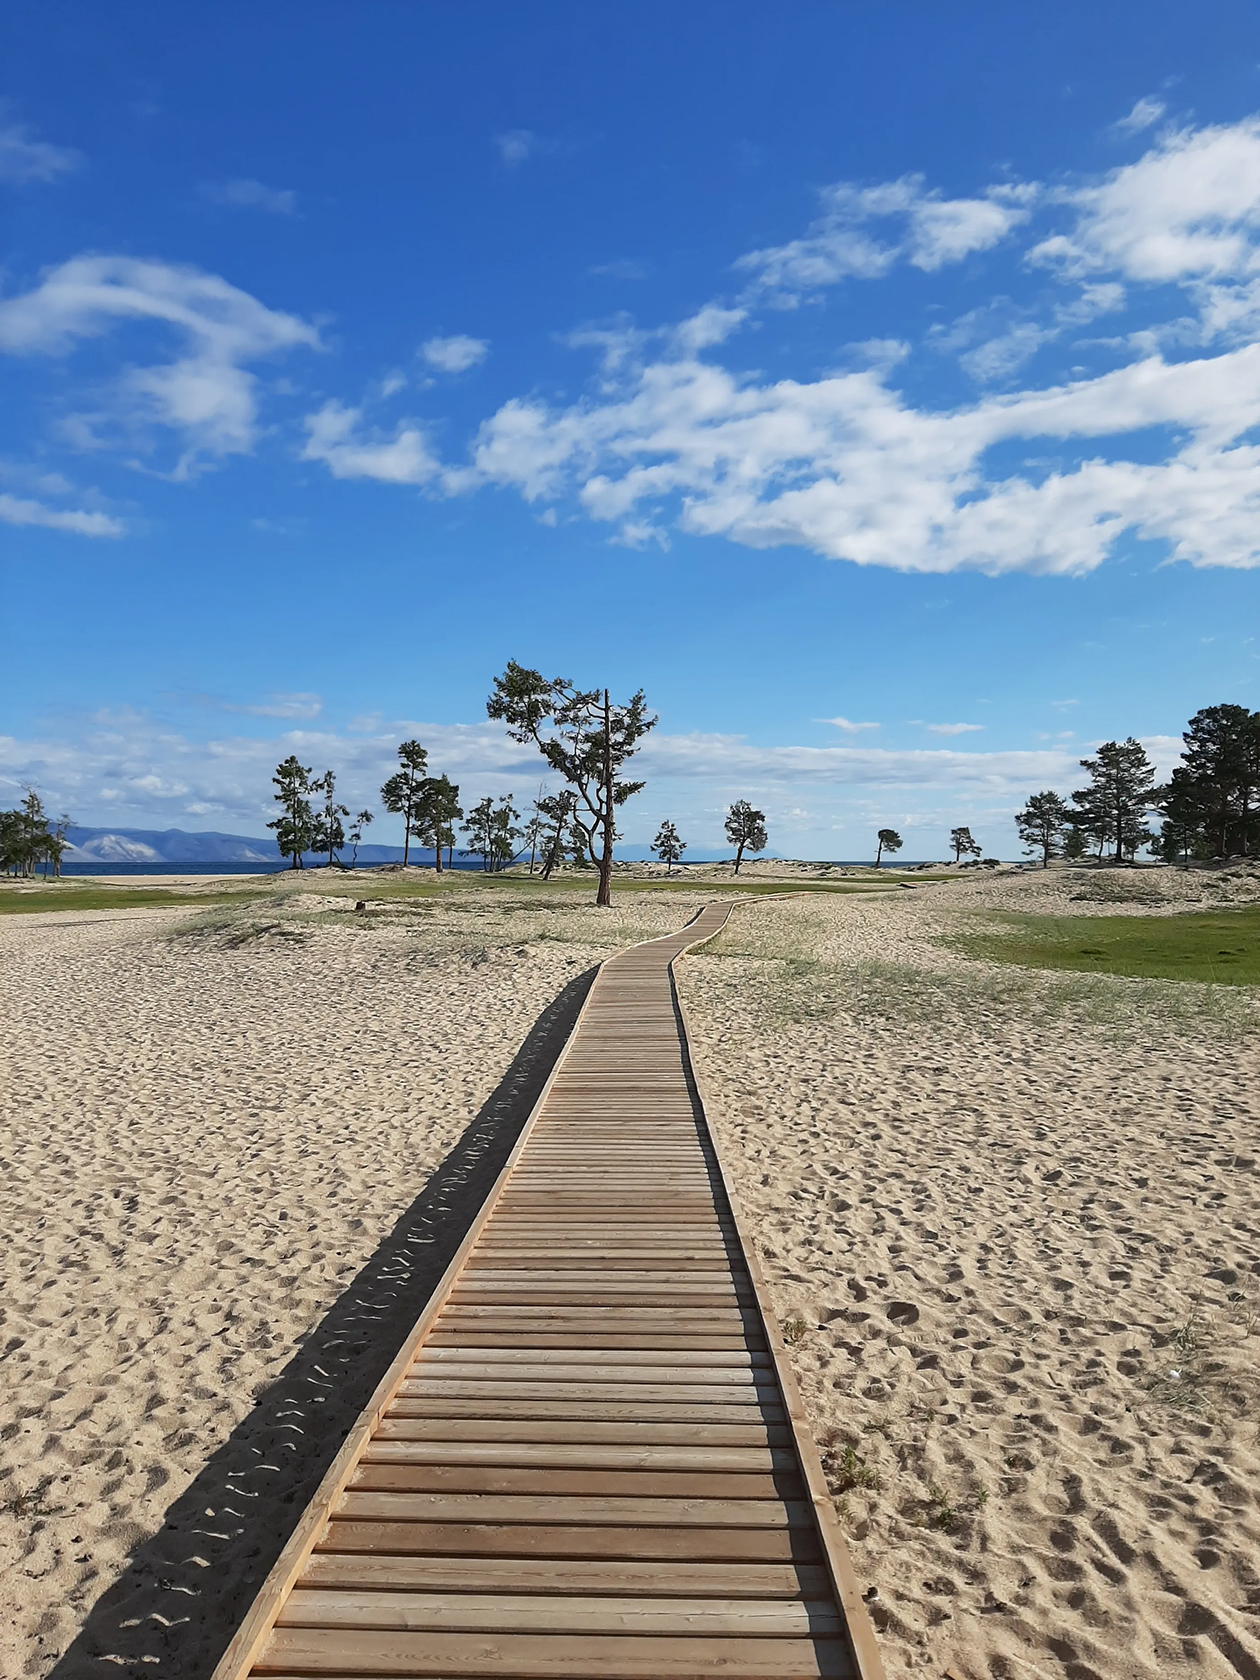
{"points": [[1011, 1217]]}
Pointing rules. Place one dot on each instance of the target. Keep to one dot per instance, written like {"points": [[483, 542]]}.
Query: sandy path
{"points": [[1001, 1210]]}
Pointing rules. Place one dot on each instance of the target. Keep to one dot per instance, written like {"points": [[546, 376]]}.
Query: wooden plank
{"points": [[645, 1411], [340, 1655], [519, 1357], [414, 1388], [509, 1613], [610, 1340], [574, 1509], [386, 1471], [603, 1370], [390, 1445], [383, 1570], [643, 1317], [556, 1540], [504, 1431]]}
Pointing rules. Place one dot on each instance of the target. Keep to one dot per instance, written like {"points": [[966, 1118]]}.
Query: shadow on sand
{"points": [[187, 1588]]}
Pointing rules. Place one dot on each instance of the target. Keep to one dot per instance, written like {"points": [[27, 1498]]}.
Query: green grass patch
{"points": [[1215, 947], [16, 902]]}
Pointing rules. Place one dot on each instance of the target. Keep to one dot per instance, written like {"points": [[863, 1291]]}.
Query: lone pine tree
{"points": [[962, 844], [887, 840], [296, 827], [746, 830], [586, 739], [401, 793], [668, 846]]}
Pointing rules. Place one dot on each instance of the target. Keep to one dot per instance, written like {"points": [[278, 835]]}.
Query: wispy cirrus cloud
{"points": [[279, 706], [207, 395], [847, 724], [23, 510], [24, 158], [1145, 114], [244, 193]]}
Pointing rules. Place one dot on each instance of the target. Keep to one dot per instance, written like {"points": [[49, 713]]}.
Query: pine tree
{"points": [[492, 829], [887, 840], [437, 811], [1042, 824], [746, 830], [556, 818], [962, 844], [585, 739], [401, 793], [668, 847], [295, 826], [330, 835], [1211, 804], [26, 839], [1121, 791], [355, 835]]}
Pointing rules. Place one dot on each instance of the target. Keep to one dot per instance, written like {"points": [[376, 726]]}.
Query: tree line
{"points": [[1210, 805], [30, 838]]}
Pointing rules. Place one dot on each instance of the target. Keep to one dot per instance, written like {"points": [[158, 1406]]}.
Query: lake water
{"points": [[105, 867]]}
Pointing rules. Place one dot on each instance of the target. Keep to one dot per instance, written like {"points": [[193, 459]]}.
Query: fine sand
{"points": [[1016, 1218], [1009, 1217]]}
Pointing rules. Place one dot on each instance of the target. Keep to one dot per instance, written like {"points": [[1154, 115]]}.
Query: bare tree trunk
{"points": [[603, 897], [739, 857]]}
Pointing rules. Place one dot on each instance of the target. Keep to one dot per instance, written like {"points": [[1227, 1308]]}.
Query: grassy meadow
{"points": [[1217, 947]]}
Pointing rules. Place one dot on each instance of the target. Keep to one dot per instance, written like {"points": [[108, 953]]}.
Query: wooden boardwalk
{"points": [[589, 1459]]}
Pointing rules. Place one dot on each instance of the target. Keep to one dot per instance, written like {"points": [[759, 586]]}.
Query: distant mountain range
{"points": [[175, 845]]}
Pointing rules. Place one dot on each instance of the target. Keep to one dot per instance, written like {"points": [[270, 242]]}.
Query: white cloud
{"points": [[621, 268], [1145, 113], [130, 770], [847, 466], [932, 231], [20, 510], [518, 145], [207, 394], [455, 354], [844, 466], [848, 725], [281, 706], [23, 158], [333, 437], [245, 194], [1189, 209], [952, 728]]}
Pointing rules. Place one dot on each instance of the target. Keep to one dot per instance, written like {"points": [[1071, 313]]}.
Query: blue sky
{"points": [[879, 387]]}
